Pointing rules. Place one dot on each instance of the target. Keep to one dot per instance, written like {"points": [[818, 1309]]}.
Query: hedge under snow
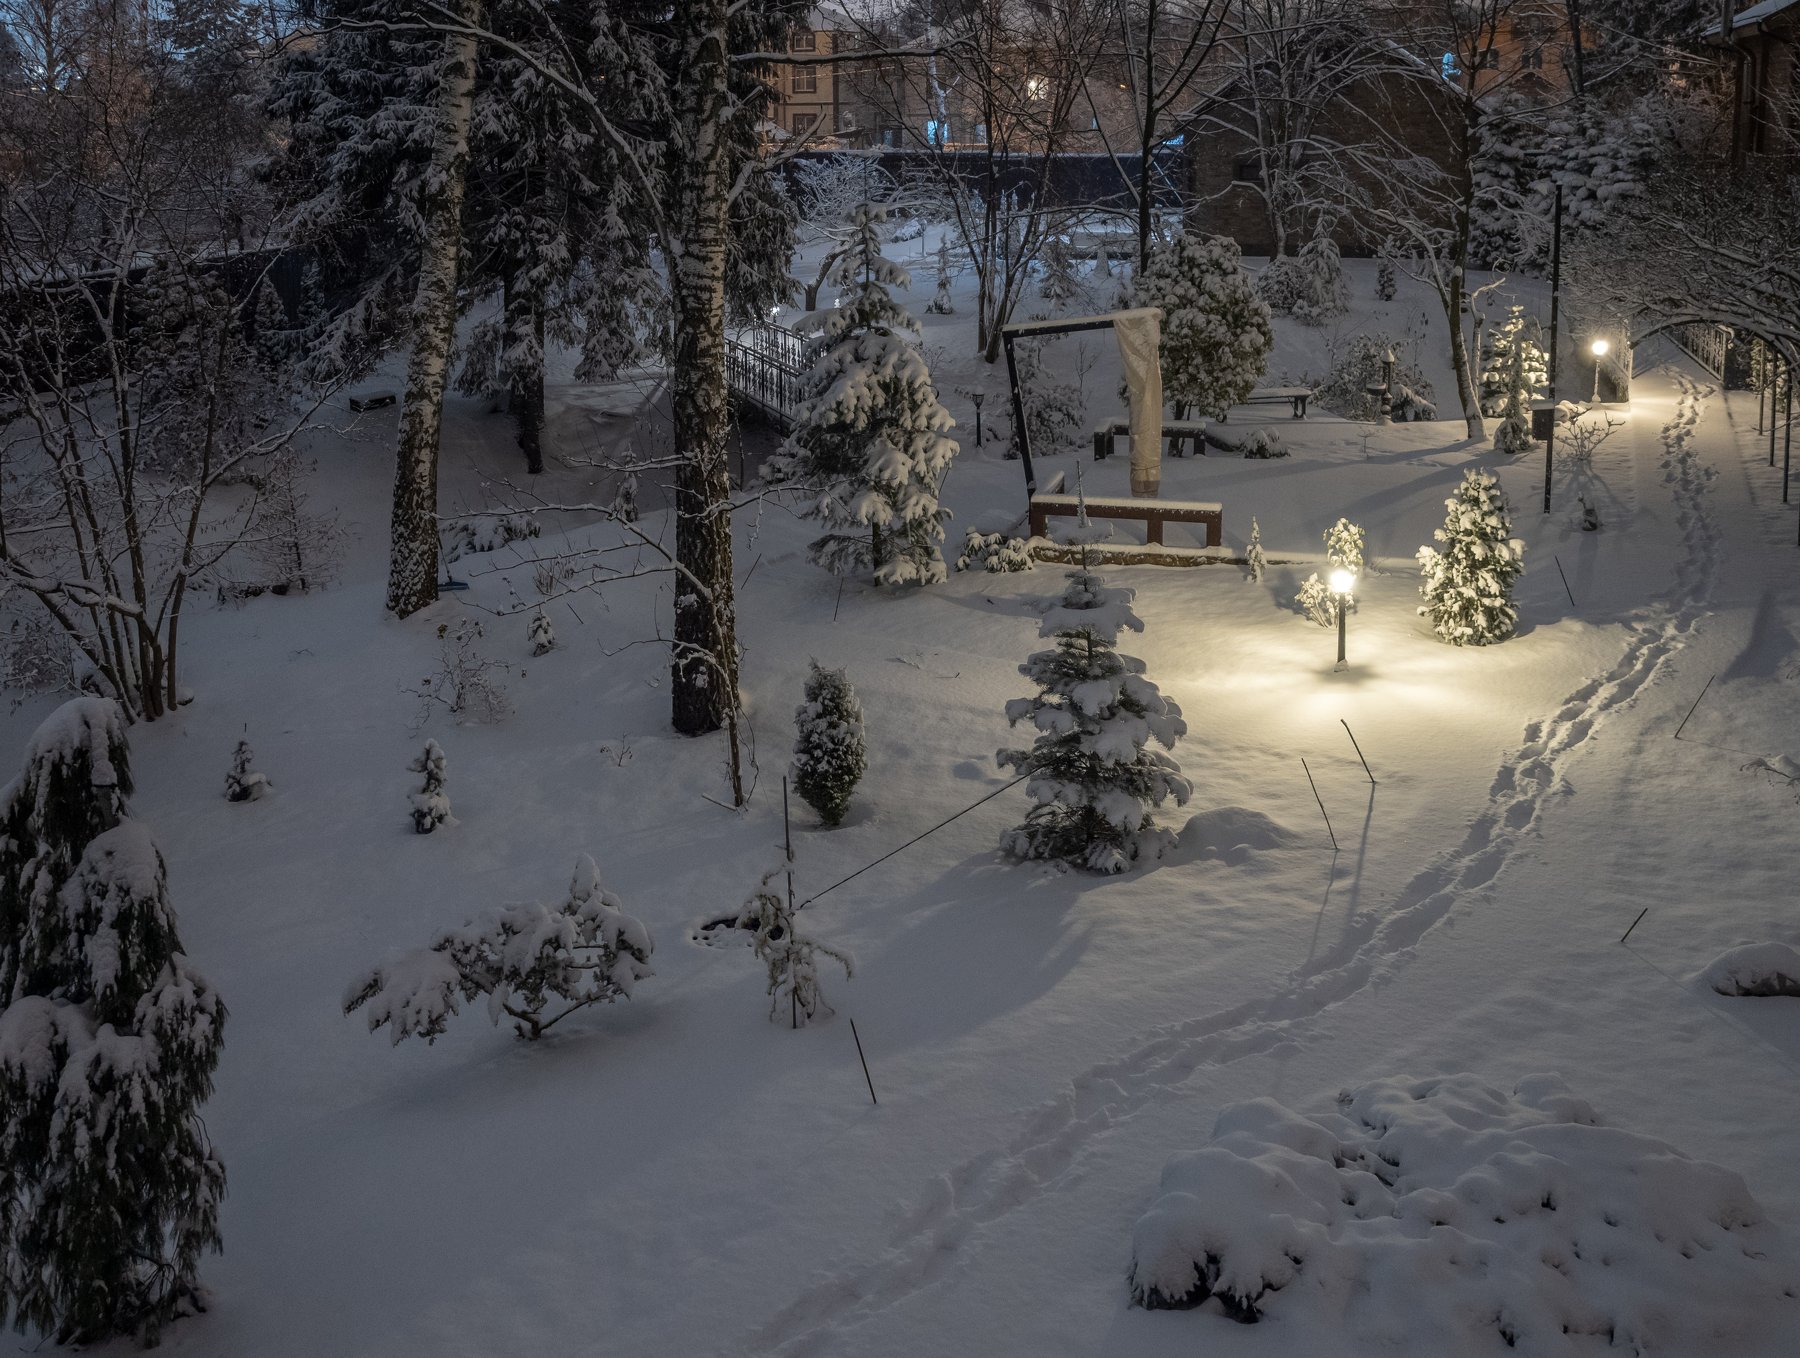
{"points": [[1461, 1220]]}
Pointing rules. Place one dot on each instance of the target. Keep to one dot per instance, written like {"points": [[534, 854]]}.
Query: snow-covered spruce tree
{"points": [[872, 446], [431, 804], [1513, 434], [790, 956], [1059, 284], [1467, 587], [941, 303], [541, 635], [1514, 338], [243, 783], [1216, 333], [1094, 778], [1385, 283], [829, 752], [995, 553], [582, 951], [109, 1189], [1254, 559], [1323, 295]]}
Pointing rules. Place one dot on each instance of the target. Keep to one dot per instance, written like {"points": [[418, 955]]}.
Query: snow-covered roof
{"points": [[1759, 13]]}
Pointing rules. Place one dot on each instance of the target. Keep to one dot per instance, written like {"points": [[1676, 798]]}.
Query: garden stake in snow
{"points": [[865, 1063], [1690, 712], [1321, 801], [1634, 923], [1359, 753], [1565, 580]]}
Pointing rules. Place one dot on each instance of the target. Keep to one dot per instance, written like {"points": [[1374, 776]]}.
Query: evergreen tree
{"points": [[109, 1189], [541, 635], [941, 303], [583, 951], [1320, 274], [1216, 333], [1468, 586], [1253, 554], [1343, 551], [244, 784], [790, 956], [1094, 779], [829, 751], [1502, 381], [1059, 284], [1513, 434], [1385, 283], [431, 804], [873, 442], [1344, 546]]}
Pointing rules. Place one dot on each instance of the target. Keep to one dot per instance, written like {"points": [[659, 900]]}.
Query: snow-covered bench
{"points": [[1154, 513], [1175, 432], [1295, 396]]}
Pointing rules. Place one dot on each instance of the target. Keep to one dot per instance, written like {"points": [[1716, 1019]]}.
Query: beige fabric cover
{"points": [[1140, 342]]}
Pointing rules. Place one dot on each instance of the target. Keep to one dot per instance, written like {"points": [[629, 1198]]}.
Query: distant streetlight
{"points": [[1599, 349], [1341, 582]]}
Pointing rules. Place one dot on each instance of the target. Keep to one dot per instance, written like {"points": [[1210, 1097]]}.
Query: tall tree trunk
{"points": [[703, 668], [413, 554], [523, 324]]}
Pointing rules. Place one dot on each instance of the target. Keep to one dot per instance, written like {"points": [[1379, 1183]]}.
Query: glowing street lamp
{"points": [[1341, 582], [1599, 349]]}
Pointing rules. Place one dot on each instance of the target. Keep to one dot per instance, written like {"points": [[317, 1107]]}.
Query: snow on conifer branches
{"points": [[872, 447], [791, 957], [829, 752], [1216, 333], [584, 950], [431, 804], [1094, 778], [243, 783], [109, 1188], [1468, 586]]}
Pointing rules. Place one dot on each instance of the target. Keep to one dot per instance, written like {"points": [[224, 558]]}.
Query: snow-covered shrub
{"points": [[1254, 559], [1095, 781], [1322, 294], [36, 655], [540, 633], [995, 553], [941, 303], [108, 1043], [581, 951], [1343, 551], [1055, 412], [1057, 265], [1513, 363], [244, 784], [790, 956], [1344, 546], [873, 442], [467, 683], [1315, 601], [1385, 284], [1216, 334], [486, 533], [1781, 769], [1359, 365], [624, 503], [1281, 284], [1757, 969], [829, 751], [1467, 587], [1463, 1220], [431, 803], [1264, 443]]}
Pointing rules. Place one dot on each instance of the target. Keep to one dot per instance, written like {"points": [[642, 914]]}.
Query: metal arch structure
{"points": [[1031, 329]]}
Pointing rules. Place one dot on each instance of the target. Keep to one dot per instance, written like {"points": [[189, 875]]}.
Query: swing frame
{"points": [[1032, 330]]}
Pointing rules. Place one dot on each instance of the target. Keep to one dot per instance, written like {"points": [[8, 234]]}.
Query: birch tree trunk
{"points": [[413, 552], [703, 668]]}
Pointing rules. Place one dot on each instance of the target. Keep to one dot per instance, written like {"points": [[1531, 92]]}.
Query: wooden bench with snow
{"points": [[1154, 513], [1175, 433], [1295, 396]]}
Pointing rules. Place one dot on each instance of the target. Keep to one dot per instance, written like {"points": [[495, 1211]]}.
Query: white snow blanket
{"points": [[1758, 969], [1457, 1219], [1139, 334]]}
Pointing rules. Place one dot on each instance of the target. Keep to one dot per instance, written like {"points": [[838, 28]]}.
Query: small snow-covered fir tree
{"points": [[541, 634], [244, 784], [1344, 546], [1385, 283], [1059, 284], [1467, 587], [1514, 366], [873, 443], [790, 956], [108, 1043], [1216, 333], [1323, 295], [829, 752], [431, 803], [941, 303], [994, 552], [585, 950], [625, 504], [1094, 778], [1253, 553], [1513, 434]]}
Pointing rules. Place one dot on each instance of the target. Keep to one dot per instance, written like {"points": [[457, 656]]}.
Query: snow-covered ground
{"points": [[677, 1175]]}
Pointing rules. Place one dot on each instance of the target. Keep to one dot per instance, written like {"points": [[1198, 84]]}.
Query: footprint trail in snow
{"points": [[1036, 1160]]}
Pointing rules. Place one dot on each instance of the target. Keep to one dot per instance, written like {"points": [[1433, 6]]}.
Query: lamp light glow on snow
{"points": [[1340, 582]]}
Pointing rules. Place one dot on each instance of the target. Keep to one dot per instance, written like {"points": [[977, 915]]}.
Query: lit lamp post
{"points": [[1599, 349], [1341, 582]]}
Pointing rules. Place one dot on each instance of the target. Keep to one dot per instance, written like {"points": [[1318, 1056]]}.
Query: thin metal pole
{"points": [[1555, 309], [1021, 433], [1359, 753], [1772, 378], [1787, 438], [1341, 611], [1321, 801]]}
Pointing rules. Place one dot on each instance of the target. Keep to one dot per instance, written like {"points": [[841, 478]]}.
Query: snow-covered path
{"points": [[968, 1221]]}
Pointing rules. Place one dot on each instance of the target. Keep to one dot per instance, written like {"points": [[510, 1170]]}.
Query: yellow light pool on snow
{"points": [[1342, 581]]}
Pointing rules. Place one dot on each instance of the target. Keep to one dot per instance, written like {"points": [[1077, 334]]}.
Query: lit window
{"points": [[1037, 87], [937, 131]]}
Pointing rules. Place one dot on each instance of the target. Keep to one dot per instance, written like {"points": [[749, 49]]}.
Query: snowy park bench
{"points": [[1174, 431], [1296, 396], [1154, 513]]}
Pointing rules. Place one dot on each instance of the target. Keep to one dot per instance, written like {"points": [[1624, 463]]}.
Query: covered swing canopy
{"points": [[1139, 335]]}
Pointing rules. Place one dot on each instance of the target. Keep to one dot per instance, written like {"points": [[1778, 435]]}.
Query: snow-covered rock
{"points": [[1757, 969], [1460, 1219]]}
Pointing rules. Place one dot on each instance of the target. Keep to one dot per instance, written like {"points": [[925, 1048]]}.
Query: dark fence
{"points": [[764, 365], [1070, 179]]}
